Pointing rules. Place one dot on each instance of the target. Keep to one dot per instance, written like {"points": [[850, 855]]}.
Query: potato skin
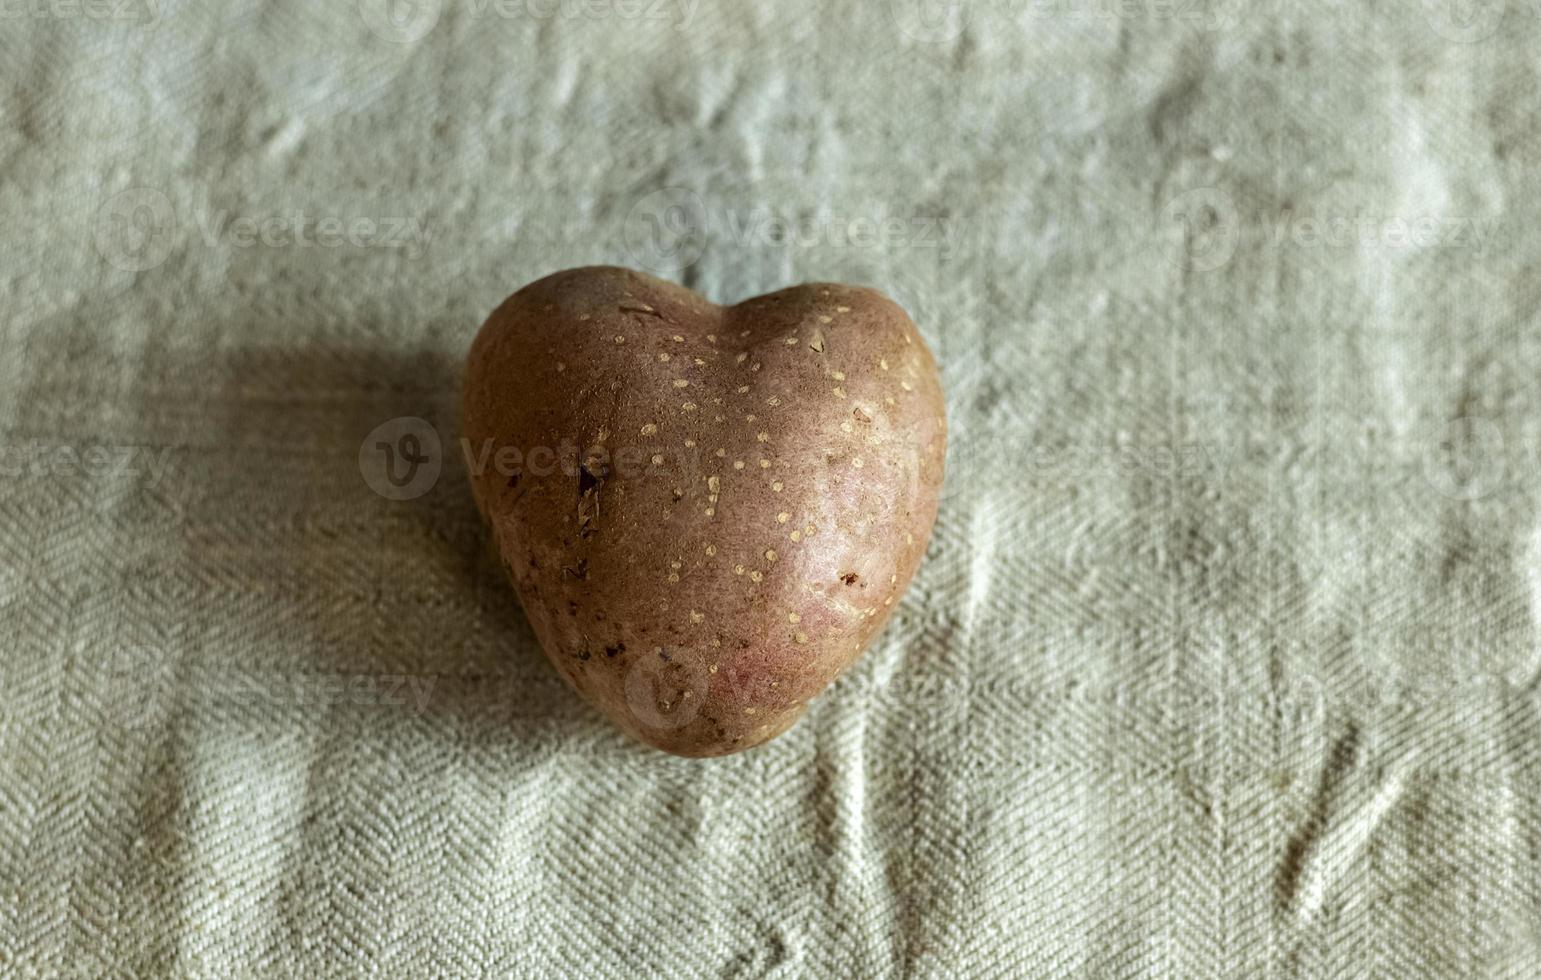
{"points": [[707, 512]]}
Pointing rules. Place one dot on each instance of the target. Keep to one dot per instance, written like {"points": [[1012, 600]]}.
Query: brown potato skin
{"points": [[642, 562]]}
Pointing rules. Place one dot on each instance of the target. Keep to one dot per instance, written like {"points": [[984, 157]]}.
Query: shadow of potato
{"points": [[338, 597]]}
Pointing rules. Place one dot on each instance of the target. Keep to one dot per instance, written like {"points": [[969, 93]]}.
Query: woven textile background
{"points": [[1224, 659]]}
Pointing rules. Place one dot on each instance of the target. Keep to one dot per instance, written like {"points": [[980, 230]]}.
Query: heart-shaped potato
{"points": [[707, 511]]}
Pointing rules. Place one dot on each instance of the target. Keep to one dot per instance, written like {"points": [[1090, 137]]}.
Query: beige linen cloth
{"points": [[1224, 659]]}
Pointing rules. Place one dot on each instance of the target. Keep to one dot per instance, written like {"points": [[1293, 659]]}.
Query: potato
{"points": [[707, 512]]}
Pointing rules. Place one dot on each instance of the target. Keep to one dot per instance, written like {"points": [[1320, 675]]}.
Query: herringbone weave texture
{"points": [[1224, 659]]}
